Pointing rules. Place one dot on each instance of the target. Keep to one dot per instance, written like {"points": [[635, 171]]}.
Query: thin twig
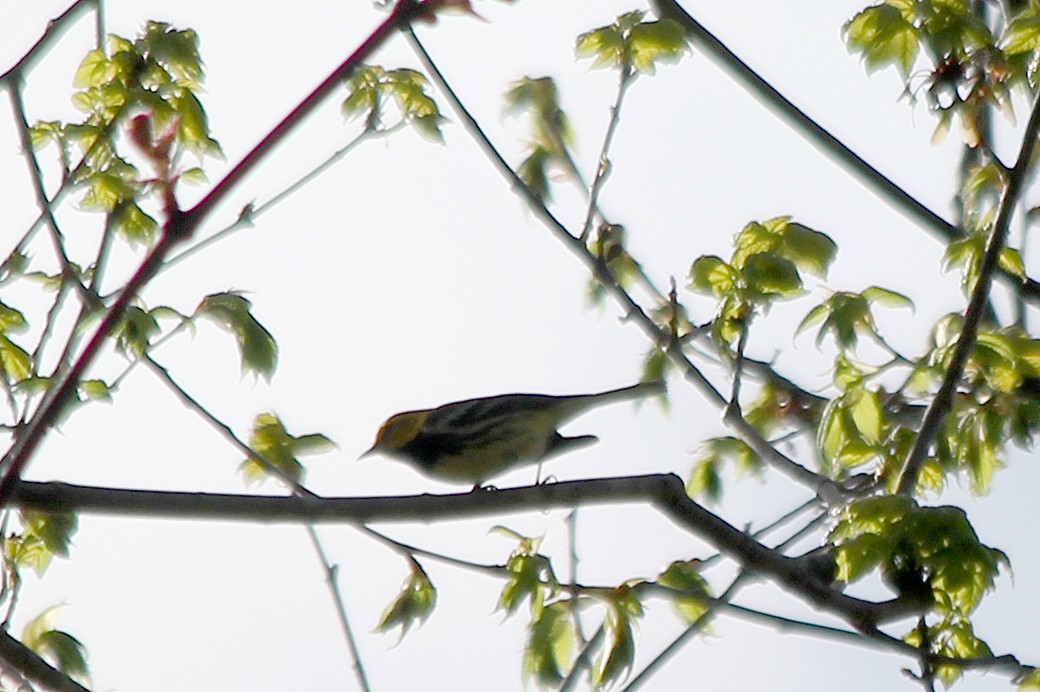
{"points": [[572, 549], [331, 580], [412, 551], [298, 489], [251, 213], [55, 28], [695, 627], [625, 79]]}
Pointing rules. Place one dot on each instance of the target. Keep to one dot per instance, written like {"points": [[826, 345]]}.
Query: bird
{"points": [[475, 440]]}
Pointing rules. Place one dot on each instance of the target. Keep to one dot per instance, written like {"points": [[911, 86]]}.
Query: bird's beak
{"points": [[370, 452]]}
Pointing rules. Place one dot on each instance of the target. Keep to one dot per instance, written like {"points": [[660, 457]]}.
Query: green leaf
{"points": [[107, 190], [95, 69], [812, 318], [1022, 35], [810, 250], [550, 644], [362, 95], [845, 316], [884, 37], [631, 42], [370, 86], [177, 50], [67, 652], [709, 274], [27, 551], [134, 331], [1010, 260], [651, 43], [55, 529], [34, 385], [606, 45], [705, 481], [11, 320], [233, 312], [413, 604], [866, 413], [685, 576], [14, 266], [656, 365], [134, 225], [193, 176], [43, 133], [193, 125], [755, 238], [711, 455], [619, 629], [771, 275], [94, 390], [929, 549], [1031, 681], [870, 515], [858, 556], [533, 171], [273, 444], [529, 574], [883, 296], [315, 443], [15, 361]]}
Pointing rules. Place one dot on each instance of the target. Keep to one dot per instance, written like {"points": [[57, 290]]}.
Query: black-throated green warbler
{"points": [[478, 439]]}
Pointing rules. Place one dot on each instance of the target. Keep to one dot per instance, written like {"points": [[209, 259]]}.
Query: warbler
{"points": [[478, 439]]}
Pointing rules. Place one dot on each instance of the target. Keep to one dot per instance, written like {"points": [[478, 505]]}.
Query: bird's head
{"points": [[398, 431]]}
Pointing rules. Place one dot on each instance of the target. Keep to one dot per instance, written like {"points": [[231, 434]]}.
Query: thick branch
{"points": [[34, 668], [664, 492]]}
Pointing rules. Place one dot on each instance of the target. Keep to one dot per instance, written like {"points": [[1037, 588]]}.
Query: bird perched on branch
{"points": [[478, 439]]}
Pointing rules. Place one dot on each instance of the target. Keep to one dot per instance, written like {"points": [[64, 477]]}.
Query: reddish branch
{"points": [[180, 226]]}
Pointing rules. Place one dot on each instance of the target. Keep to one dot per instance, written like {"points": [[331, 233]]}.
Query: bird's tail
{"points": [[583, 402], [642, 389]]}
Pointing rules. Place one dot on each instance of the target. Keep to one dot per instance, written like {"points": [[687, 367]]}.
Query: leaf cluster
{"points": [[371, 87], [765, 267]]}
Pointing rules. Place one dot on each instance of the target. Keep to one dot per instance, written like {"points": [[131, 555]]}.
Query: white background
{"points": [[409, 275]]}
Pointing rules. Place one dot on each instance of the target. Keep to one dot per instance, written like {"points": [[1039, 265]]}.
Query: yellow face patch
{"points": [[399, 430]]}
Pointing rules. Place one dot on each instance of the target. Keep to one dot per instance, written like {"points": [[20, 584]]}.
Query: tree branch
{"points": [[943, 400], [823, 140], [664, 492], [180, 226], [29, 664], [55, 28]]}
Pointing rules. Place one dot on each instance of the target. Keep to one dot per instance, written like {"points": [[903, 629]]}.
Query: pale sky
{"points": [[408, 276]]}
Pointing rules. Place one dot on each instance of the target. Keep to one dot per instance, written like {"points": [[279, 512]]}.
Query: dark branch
{"points": [[664, 492], [977, 306], [823, 140], [34, 668]]}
